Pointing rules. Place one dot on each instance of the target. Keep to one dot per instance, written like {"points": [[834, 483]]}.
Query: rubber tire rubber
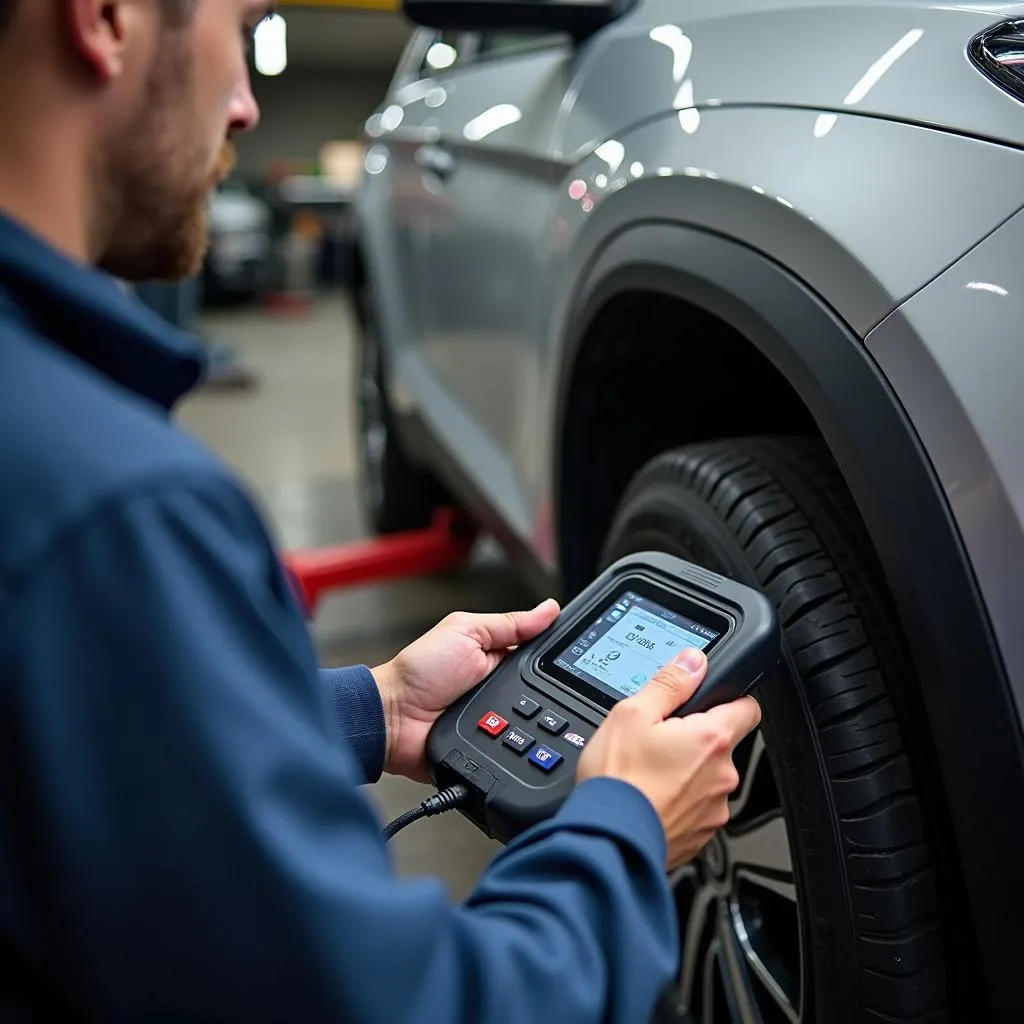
{"points": [[777, 515], [410, 495]]}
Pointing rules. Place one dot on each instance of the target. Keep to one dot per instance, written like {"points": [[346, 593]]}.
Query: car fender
{"points": [[865, 214], [853, 216], [905, 510]]}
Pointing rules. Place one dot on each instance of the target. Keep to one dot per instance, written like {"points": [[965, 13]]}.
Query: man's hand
{"points": [[422, 680], [682, 765]]}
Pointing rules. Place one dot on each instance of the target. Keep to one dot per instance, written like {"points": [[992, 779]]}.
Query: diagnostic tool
{"points": [[509, 747]]}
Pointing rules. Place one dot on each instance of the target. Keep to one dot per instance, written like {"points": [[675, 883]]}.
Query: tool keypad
{"points": [[500, 725]]}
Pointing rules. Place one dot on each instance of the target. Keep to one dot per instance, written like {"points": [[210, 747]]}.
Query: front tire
{"points": [[817, 903]]}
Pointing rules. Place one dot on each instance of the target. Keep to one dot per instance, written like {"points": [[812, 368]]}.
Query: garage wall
{"points": [[302, 110]]}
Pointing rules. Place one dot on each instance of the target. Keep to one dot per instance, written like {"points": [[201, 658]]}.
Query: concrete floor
{"points": [[293, 439]]}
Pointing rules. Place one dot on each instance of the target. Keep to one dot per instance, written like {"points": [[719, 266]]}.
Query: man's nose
{"points": [[244, 113]]}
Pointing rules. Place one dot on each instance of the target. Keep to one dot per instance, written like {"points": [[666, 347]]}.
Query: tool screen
{"points": [[629, 639]]}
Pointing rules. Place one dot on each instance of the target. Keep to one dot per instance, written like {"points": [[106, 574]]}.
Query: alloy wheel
{"points": [[739, 923]]}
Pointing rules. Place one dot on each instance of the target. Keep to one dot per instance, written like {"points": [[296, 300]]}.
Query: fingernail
{"points": [[691, 659]]}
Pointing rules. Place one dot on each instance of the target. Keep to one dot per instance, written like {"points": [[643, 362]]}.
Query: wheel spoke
{"points": [[739, 992], [779, 886], [687, 873], [702, 900], [758, 968], [708, 989], [761, 855], [756, 763]]}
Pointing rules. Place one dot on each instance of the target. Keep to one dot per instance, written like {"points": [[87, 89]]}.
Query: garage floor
{"points": [[292, 438]]}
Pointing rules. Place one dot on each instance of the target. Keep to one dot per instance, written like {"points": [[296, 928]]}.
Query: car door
{"points": [[489, 178], [395, 204]]}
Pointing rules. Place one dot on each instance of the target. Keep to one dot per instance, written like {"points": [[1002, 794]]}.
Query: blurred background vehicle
{"points": [[741, 281], [240, 261]]}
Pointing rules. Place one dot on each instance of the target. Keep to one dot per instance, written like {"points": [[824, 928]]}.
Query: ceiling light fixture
{"points": [[270, 42]]}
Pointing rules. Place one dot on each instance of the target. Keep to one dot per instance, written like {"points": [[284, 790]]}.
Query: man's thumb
{"points": [[674, 684]]}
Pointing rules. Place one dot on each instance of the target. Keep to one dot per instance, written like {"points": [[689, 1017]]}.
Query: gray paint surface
{"points": [[953, 352]]}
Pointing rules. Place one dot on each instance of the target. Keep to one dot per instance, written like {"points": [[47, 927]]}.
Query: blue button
{"points": [[545, 757]]}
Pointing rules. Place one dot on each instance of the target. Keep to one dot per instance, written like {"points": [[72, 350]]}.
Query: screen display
{"points": [[632, 637]]}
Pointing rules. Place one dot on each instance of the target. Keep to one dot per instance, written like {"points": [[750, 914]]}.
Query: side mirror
{"points": [[578, 18]]}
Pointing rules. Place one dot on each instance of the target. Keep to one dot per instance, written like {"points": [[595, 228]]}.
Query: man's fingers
{"points": [[673, 685], [497, 632], [738, 718]]}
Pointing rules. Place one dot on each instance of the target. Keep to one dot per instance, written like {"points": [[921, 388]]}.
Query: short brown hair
{"points": [[7, 8], [177, 12]]}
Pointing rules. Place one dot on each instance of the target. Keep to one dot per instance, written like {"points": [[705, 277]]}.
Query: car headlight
{"points": [[999, 53]]}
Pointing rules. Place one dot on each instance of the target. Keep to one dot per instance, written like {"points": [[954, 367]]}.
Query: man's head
{"points": [[155, 89]]}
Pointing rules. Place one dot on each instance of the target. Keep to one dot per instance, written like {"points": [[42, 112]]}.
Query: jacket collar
{"points": [[95, 318]]}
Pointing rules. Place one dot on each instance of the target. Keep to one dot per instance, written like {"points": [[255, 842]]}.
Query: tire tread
{"points": [[788, 507]]}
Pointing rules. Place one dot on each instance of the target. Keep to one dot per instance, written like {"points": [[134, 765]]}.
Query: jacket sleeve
{"points": [[356, 715], [191, 840]]}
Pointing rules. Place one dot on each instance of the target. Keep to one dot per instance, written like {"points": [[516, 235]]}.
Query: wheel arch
{"points": [[849, 403]]}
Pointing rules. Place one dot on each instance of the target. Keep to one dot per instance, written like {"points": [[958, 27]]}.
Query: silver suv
{"points": [[744, 281]]}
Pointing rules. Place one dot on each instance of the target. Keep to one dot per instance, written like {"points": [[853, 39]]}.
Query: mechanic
{"points": [[182, 835]]}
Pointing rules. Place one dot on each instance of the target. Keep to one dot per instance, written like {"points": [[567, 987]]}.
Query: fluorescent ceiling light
{"points": [[271, 44]]}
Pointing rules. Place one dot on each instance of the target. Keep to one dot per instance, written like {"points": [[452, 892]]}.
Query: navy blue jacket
{"points": [[182, 836]]}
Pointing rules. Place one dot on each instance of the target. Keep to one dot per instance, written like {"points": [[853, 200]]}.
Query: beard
{"points": [[156, 180]]}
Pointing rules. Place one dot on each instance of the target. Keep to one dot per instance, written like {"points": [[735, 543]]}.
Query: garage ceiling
{"points": [[336, 39]]}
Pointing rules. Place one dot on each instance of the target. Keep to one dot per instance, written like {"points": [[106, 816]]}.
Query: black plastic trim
{"points": [[983, 52], [969, 704], [580, 18]]}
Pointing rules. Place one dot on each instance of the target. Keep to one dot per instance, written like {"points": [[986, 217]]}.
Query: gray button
{"points": [[526, 707], [518, 741], [553, 723]]}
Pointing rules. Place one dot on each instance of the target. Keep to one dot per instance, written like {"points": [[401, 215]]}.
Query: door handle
{"points": [[436, 159]]}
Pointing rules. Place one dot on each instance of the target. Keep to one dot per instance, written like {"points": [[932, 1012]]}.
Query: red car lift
{"points": [[439, 547]]}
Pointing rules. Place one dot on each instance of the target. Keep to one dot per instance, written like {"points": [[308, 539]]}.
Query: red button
{"points": [[492, 724]]}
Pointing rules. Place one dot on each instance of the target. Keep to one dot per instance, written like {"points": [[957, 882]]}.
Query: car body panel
{"points": [[900, 61], [953, 353], [483, 225]]}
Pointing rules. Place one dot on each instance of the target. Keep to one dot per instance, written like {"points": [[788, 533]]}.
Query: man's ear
{"points": [[98, 32]]}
